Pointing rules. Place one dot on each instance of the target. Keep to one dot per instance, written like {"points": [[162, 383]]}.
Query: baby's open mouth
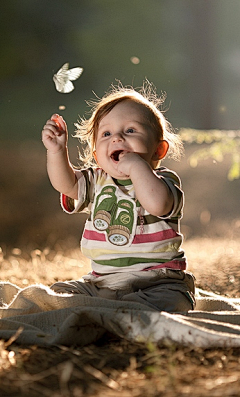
{"points": [[115, 155]]}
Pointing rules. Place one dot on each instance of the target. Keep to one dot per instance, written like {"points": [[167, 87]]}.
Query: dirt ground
{"points": [[114, 367]]}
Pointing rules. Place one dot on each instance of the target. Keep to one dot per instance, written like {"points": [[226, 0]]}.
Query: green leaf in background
{"points": [[218, 144], [234, 172]]}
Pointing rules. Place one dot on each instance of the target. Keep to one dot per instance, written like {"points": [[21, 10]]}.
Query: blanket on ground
{"points": [[45, 318]]}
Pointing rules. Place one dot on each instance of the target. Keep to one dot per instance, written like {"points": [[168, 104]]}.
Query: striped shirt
{"points": [[120, 235]]}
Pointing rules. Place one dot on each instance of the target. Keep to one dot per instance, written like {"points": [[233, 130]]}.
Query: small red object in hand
{"points": [[59, 121]]}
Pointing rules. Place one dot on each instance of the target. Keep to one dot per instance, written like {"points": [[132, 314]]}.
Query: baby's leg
{"points": [[84, 288], [75, 287], [172, 298]]}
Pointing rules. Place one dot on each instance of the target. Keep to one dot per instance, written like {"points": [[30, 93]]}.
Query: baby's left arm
{"points": [[151, 191]]}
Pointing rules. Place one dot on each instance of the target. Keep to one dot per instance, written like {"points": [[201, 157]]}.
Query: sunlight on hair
{"points": [[145, 95]]}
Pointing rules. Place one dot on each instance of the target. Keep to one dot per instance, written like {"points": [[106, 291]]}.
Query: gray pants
{"points": [[163, 290]]}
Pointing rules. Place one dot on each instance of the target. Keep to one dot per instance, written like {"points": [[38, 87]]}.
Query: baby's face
{"points": [[124, 129]]}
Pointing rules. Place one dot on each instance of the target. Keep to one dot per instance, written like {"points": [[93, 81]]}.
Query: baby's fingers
{"points": [[48, 132], [50, 129]]}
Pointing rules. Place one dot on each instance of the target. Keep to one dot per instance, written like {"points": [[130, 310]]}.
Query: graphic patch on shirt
{"points": [[114, 216]]}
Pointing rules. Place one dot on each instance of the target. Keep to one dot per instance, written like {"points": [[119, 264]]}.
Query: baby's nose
{"points": [[118, 137]]}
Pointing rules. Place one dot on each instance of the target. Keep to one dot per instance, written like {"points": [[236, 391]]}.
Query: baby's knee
{"points": [[163, 298]]}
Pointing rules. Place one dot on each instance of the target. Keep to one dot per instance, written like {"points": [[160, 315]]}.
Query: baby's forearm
{"points": [[61, 173], [152, 193]]}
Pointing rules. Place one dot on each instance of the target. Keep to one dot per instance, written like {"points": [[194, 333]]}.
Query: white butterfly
{"points": [[64, 77]]}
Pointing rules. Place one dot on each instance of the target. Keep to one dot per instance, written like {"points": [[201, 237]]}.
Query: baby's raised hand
{"points": [[54, 134]]}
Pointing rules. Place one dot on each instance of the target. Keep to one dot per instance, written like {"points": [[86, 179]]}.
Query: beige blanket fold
{"points": [[46, 318]]}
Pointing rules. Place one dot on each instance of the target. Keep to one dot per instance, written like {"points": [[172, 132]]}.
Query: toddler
{"points": [[132, 234]]}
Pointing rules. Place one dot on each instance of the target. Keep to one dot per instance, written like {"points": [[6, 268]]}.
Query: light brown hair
{"points": [[87, 129]]}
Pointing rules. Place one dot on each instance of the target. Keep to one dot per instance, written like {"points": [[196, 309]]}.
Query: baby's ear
{"points": [[161, 150], [95, 156]]}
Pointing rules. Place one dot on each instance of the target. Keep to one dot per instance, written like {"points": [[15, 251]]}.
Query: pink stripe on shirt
{"points": [[152, 237], [138, 239], [91, 235]]}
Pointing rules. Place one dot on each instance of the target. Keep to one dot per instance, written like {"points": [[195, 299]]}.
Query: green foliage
{"points": [[218, 144]]}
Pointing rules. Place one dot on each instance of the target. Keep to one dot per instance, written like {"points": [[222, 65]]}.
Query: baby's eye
{"points": [[106, 133], [129, 130]]}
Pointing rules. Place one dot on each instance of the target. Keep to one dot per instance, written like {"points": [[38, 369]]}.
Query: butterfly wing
{"points": [[63, 77], [68, 87], [59, 84], [63, 69], [74, 73]]}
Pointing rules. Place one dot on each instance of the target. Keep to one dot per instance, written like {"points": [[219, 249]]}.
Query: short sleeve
{"points": [[72, 206], [173, 182]]}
